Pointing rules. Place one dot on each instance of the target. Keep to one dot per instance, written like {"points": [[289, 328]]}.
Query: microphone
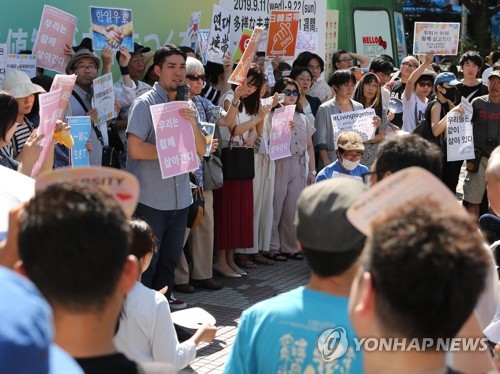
{"points": [[183, 92]]}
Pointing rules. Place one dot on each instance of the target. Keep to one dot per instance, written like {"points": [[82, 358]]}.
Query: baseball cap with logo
{"points": [[350, 141], [327, 202]]}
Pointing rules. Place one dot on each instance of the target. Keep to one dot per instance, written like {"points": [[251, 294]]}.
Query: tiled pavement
{"points": [[227, 304]]}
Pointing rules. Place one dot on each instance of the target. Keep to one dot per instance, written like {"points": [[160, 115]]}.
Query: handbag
{"points": [[197, 207], [237, 161], [114, 139], [213, 177], [109, 154]]}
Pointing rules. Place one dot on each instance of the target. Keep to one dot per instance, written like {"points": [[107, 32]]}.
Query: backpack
{"points": [[424, 129], [197, 208]]}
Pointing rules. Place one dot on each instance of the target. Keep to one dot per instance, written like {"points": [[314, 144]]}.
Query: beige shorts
{"points": [[475, 183]]}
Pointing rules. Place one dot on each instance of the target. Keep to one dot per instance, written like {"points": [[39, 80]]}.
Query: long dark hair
{"points": [[8, 113], [251, 103], [280, 85], [360, 97]]}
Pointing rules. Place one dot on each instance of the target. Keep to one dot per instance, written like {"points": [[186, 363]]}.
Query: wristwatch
{"points": [[313, 172]]}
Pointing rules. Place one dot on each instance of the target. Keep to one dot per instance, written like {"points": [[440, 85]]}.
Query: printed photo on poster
{"points": [[111, 27]]}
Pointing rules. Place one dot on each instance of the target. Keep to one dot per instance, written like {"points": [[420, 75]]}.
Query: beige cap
{"points": [[350, 141], [19, 85]]}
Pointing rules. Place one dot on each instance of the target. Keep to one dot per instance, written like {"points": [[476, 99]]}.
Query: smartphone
{"points": [[282, 97]]}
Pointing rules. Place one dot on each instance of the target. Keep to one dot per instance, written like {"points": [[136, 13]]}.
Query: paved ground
{"points": [[227, 304]]}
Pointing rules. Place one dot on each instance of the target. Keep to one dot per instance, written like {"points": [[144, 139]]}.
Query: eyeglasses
{"points": [[425, 84], [86, 68], [409, 64], [137, 60], [196, 77], [345, 60], [290, 92]]}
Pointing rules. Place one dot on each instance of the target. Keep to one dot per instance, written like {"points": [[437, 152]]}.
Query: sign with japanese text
{"points": [[459, 137], [192, 31], [104, 98], [111, 27], [242, 45], [49, 102], [174, 139], [282, 37], [360, 121], [281, 134], [218, 41], [438, 37], [240, 73], [57, 29], [80, 130], [26, 63], [66, 83], [331, 39]]}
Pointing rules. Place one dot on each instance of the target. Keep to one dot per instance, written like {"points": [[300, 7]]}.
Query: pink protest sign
{"points": [[49, 102], [66, 84], [57, 28], [281, 135], [174, 139]]}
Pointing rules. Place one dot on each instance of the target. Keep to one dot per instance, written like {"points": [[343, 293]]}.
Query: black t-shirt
{"points": [[479, 89], [397, 90], [110, 364]]}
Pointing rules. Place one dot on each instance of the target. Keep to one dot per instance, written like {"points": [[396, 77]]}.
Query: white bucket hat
{"points": [[19, 85]]}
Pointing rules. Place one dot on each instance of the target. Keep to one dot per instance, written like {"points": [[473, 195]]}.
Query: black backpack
{"points": [[424, 129]]}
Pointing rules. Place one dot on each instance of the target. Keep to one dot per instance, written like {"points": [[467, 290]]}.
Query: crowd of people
{"points": [[112, 296]]}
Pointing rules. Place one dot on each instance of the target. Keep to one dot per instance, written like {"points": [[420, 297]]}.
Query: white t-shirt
{"points": [[409, 120], [147, 332]]}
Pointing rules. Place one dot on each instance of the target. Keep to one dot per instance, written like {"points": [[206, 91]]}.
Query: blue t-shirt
{"points": [[280, 335], [335, 167]]}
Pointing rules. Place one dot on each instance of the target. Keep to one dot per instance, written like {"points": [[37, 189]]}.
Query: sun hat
{"points": [[19, 84]]}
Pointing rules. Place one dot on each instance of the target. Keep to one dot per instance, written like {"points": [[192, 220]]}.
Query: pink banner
{"points": [[57, 28], [174, 139], [49, 103], [66, 83], [281, 135]]}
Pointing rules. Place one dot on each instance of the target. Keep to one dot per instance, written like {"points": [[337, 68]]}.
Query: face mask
{"points": [[350, 165], [451, 94]]}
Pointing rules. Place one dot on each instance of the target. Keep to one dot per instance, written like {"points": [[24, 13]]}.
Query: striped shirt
{"points": [[19, 139]]}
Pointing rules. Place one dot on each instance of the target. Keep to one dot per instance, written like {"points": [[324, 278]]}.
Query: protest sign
{"points": [[331, 40], [218, 41], [66, 84], [208, 129], [397, 191], [49, 102], [282, 38], [26, 63], [80, 130], [3, 52], [104, 98], [202, 44], [192, 31], [111, 27], [459, 137], [242, 45], [175, 142], [307, 41], [281, 135], [438, 37], [360, 121], [57, 29], [240, 73], [336, 174]]}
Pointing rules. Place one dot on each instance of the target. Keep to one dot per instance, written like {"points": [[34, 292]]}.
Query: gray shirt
{"points": [[163, 194], [323, 137]]}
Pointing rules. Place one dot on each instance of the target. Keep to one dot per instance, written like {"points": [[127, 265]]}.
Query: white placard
{"points": [[360, 121], [220, 35], [438, 37], [459, 137]]}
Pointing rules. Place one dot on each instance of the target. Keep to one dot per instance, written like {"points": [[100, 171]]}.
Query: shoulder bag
{"points": [[197, 207], [237, 161]]}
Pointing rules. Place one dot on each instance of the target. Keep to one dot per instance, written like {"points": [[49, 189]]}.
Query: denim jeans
{"points": [[169, 227]]}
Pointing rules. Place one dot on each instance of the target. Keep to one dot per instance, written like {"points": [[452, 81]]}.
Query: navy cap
{"points": [[446, 77]]}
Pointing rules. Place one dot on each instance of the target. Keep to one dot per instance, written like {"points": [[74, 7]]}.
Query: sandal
{"points": [[294, 256], [245, 262], [275, 256], [261, 259]]}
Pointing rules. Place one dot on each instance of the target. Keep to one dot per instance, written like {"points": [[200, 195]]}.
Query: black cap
{"points": [[86, 43], [137, 49]]}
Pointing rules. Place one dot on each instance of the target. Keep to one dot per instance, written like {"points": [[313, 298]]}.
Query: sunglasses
{"points": [[196, 77], [425, 84], [290, 92], [412, 65]]}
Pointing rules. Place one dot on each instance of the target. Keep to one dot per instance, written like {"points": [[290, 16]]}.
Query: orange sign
{"points": [[241, 71], [282, 37]]}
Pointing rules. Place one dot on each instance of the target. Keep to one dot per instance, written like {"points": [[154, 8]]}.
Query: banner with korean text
{"points": [[174, 139], [438, 37], [459, 137], [57, 29], [80, 131], [66, 84], [104, 98], [281, 134]]}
